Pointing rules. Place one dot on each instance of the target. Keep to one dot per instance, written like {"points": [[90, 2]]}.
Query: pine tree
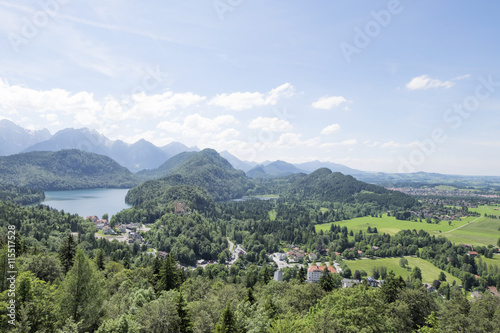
{"points": [[302, 276], [126, 262], [265, 275], [67, 253], [169, 275], [82, 294], [99, 259], [185, 325], [391, 287], [227, 321], [326, 280], [250, 297]]}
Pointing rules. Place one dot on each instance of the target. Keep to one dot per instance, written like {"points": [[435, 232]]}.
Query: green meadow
{"points": [[487, 209], [470, 230], [389, 225], [429, 271], [482, 232]]}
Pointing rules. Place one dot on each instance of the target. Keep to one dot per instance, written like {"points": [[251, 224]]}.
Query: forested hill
{"points": [[170, 166], [325, 185], [64, 170], [20, 195], [205, 169]]}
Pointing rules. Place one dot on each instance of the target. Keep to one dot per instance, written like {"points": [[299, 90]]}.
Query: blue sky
{"points": [[395, 86]]}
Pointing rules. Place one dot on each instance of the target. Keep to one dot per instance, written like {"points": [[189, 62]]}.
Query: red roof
{"points": [[473, 253], [321, 269]]}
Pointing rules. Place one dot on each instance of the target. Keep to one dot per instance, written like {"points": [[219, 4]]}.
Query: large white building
{"points": [[314, 273]]}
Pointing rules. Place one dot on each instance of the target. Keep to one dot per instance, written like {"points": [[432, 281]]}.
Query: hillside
{"points": [[167, 168], [274, 169], [325, 185], [205, 169], [20, 195], [64, 170]]}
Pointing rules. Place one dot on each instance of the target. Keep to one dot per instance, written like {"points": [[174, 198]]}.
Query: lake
{"points": [[88, 202]]}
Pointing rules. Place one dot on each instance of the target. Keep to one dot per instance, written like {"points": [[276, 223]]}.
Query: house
{"points": [[108, 231], [162, 254], [374, 283], [494, 291], [348, 283], [99, 226], [476, 294], [430, 288], [472, 253], [314, 273], [278, 276], [122, 228]]}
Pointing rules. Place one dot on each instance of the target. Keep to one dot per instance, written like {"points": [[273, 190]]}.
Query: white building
{"points": [[314, 273]]}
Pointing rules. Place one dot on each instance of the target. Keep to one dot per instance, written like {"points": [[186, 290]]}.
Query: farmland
{"points": [[429, 271], [389, 224], [482, 232], [469, 230]]}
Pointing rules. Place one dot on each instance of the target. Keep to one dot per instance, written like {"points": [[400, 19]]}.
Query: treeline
{"points": [[20, 195]]}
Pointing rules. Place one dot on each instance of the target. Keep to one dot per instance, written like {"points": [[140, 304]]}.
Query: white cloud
{"points": [[274, 124], [197, 126], [329, 102], [290, 140], [331, 129], [349, 142], [157, 105], [424, 82], [247, 100], [392, 145]]}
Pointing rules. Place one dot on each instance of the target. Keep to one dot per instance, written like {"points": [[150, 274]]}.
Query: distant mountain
{"points": [[83, 139], [138, 156], [315, 165], [273, 170], [175, 148], [325, 185], [14, 139], [205, 169], [64, 170], [237, 163]]}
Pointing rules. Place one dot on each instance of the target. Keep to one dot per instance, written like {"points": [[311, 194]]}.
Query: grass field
{"points": [[490, 210], [389, 225], [495, 261], [481, 232], [429, 271], [272, 215]]}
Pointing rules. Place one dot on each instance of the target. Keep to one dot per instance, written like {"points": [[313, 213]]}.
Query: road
{"points": [[463, 225], [231, 245]]}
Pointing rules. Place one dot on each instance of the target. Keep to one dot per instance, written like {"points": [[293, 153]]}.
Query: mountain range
{"points": [[141, 155], [137, 156], [149, 161]]}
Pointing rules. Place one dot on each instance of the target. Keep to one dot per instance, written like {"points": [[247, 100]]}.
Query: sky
{"points": [[391, 86]]}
